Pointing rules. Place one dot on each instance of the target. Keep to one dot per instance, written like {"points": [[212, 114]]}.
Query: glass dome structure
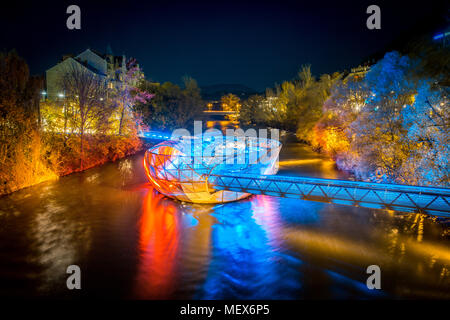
{"points": [[182, 168]]}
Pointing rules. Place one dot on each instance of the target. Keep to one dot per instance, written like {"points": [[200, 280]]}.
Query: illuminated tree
{"points": [[86, 93], [427, 123], [231, 102], [379, 136], [21, 162], [299, 102], [126, 93], [391, 126]]}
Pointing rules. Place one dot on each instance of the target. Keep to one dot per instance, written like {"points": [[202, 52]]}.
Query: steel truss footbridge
{"points": [[404, 198]]}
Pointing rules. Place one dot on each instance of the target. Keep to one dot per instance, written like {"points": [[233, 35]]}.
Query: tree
{"points": [[20, 140], [251, 109], [172, 106], [427, 123], [298, 103], [392, 126], [379, 135], [231, 102], [331, 134], [191, 103], [86, 93], [126, 93]]}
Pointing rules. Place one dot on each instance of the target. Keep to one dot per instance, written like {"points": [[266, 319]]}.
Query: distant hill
{"points": [[215, 92]]}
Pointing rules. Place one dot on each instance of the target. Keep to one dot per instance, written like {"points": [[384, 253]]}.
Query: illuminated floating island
{"points": [[184, 168]]}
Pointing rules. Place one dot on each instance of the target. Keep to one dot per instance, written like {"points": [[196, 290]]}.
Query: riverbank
{"points": [[49, 156]]}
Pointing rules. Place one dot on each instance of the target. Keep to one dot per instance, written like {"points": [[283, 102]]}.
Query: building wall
{"points": [[95, 64], [54, 77], [94, 61]]}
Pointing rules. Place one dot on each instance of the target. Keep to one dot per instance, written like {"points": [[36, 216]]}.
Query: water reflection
{"points": [[159, 242], [411, 266], [174, 247], [56, 248], [246, 261], [130, 241], [221, 125]]}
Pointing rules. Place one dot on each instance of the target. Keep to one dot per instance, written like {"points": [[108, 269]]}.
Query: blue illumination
{"points": [[180, 168], [441, 35], [245, 260], [156, 135]]}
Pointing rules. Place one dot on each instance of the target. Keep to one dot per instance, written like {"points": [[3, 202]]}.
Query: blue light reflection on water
{"points": [[247, 260], [250, 258]]}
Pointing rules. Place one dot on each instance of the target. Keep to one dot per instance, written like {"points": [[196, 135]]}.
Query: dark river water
{"points": [[131, 242]]}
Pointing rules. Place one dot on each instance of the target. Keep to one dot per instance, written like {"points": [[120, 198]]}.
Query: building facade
{"points": [[107, 66], [357, 73]]}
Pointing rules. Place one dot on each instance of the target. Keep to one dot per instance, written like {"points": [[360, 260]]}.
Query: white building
{"points": [[107, 66]]}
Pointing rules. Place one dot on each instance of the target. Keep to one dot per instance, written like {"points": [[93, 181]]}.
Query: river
{"points": [[131, 242]]}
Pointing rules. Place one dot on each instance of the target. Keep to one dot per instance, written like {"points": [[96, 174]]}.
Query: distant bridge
{"points": [[218, 112], [428, 200]]}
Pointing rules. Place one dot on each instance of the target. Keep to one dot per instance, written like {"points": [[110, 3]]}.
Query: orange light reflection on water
{"points": [[159, 243]]}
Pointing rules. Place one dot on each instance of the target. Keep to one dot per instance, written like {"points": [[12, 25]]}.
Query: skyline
{"points": [[232, 43]]}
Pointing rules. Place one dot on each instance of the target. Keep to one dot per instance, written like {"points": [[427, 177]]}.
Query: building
{"points": [[357, 73], [111, 68]]}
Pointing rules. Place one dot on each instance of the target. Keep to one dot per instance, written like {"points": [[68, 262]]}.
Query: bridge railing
{"points": [[405, 198]]}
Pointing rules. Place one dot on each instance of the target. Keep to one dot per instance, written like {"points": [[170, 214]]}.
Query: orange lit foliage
{"points": [[33, 146], [231, 102], [21, 164], [331, 140], [63, 151]]}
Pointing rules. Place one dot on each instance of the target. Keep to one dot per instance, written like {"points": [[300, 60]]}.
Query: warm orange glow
{"points": [[331, 140], [299, 162], [158, 246], [149, 176]]}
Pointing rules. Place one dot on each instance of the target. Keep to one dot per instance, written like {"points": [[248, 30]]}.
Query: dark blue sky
{"points": [[254, 43]]}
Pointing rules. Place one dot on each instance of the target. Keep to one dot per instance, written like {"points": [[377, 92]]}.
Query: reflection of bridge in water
{"points": [[429, 200]]}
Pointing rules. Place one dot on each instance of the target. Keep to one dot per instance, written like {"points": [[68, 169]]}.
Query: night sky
{"points": [[256, 43]]}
